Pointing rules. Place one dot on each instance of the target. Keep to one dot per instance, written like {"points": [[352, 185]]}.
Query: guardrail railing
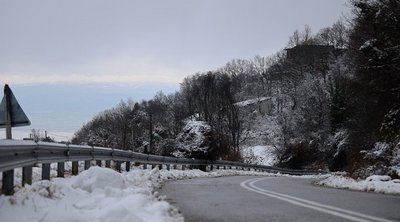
{"points": [[25, 154]]}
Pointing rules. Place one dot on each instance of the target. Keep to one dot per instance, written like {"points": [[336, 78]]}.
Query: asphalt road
{"points": [[244, 198]]}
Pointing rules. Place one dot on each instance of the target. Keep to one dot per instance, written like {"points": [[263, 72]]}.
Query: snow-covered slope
{"points": [[263, 155], [261, 137]]}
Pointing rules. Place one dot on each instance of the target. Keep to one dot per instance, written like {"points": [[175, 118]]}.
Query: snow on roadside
{"points": [[375, 183], [97, 194], [100, 194]]}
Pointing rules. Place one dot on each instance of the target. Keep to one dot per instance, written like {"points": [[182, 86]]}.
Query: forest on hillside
{"points": [[334, 96]]}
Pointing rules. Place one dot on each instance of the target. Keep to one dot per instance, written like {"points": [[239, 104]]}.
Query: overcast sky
{"points": [[150, 44]]}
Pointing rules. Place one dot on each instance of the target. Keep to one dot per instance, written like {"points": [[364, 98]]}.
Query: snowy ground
{"points": [[378, 184], [262, 136], [102, 194], [263, 155], [99, 194]]}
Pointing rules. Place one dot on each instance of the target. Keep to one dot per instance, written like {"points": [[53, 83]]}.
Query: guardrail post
{"points": [[8, 182], [60, 169], [168, 167], [26, 175], [230, 167], [108, 163], [87, 164], [183, 167], [160, 166], [175, 166], [128, 166], [118, 166], [75, 169], [145, 166], [211, 167], [203, 168], [98, 163], [217, 167], [45, 171]]}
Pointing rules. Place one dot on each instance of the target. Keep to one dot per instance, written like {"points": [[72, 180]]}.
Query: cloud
{"points": [[122, 69], [26, 79]]}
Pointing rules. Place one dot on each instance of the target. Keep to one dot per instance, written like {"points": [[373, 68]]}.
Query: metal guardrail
{"points": [[16, 154]]}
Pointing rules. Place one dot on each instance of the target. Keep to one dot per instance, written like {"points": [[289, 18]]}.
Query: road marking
{"points": [[339, 212]]}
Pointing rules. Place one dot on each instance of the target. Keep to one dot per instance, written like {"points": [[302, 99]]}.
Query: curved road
{"points": [[246, 198]]}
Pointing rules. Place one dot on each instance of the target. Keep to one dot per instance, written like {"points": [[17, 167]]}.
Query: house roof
{"points": [[251, 101], [310, 46]]}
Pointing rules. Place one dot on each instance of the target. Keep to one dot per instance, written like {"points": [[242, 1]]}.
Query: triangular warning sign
{"points": [[18, 117]]}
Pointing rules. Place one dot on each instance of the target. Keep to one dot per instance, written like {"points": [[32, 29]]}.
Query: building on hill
{"points": [[312, 55], [262, 105]]}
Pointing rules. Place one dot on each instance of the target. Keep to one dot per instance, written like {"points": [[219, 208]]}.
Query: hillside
{"points": [[330, 100]]}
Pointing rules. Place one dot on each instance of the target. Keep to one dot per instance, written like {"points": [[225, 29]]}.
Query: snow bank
{"points": [[101, 194], [99, 178], [375, 183], [179, 174], [98, 194]]}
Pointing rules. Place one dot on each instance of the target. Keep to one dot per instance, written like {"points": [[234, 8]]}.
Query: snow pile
{"points": [[102, 194], [375, 183], [98, 194], [90, 180]]}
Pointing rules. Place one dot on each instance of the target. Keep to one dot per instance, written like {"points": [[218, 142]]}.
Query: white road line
{"points": [[339, 212]]}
